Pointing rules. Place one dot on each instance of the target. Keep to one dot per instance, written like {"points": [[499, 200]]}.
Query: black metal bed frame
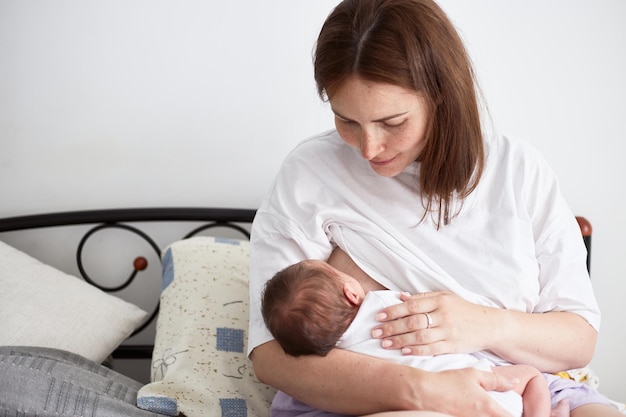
{"points": [[229, 218], [120, 218]]}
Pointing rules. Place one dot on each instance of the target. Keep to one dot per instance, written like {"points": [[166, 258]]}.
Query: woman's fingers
{"points": [[417, 312], [491, 381], [417, 333], [432, 324], [411, 323], [413, 304]]}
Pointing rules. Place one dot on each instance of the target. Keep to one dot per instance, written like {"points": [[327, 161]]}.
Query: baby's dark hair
{"points": [[305, 310]]}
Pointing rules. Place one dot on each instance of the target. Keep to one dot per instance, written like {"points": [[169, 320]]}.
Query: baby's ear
{"points": [[352, 294]]}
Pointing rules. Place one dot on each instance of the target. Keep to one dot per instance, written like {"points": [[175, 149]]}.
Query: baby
{"points": [[311, 307]]}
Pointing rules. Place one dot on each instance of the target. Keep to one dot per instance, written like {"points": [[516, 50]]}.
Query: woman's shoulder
{"points": [[506, 153], [514, 168], [324, 155], [322, 143], [309, 171]]}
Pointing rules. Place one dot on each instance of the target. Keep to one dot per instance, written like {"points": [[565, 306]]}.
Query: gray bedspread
{"points": [[40, 382]]}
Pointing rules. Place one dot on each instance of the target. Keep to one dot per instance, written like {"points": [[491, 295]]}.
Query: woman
{"points": [[410, 173]]}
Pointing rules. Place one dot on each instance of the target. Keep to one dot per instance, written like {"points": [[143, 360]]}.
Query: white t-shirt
{"points": [[515, 243]]}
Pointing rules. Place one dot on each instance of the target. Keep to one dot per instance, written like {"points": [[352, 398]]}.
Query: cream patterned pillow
{"points": [[199, 365]]}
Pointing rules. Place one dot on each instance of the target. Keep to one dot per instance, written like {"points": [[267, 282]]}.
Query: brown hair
{"points": [[305, 310], [412, 44]]}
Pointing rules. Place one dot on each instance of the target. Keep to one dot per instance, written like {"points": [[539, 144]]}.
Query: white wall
{"points": [[194, 103]]}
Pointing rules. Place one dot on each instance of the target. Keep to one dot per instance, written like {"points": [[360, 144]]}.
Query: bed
{"points": [[66, 343]]}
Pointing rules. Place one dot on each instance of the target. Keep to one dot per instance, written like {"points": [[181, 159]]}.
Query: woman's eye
{"points": [[394, 124], [347, 122]]}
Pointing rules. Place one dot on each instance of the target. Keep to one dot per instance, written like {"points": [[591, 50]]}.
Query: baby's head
{"points": [[309, 305]]}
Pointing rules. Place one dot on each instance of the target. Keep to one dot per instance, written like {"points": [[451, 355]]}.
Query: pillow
{"points": [[199, 365], [42, 306]]}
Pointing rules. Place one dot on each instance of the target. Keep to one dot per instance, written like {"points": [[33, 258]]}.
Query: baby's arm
{"points": [[532, 387]]}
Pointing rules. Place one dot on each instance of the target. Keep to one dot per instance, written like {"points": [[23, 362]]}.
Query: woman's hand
{"points": [[463, 392], [551, 341], [435, 323]]}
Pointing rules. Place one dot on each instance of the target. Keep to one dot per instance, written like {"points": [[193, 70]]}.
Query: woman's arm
{"points": [[349, 383], [550, 341]]}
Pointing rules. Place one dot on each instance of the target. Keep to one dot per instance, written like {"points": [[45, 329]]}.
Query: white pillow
{"points": [[42, 306], [199, 365]]}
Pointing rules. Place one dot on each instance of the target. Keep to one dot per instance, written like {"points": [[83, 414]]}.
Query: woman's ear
{"points": [[352, 293]]}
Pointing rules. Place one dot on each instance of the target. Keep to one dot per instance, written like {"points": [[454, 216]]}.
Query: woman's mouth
{"points": [[381, 162]]}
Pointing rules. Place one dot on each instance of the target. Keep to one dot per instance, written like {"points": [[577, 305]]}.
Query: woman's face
{"points": [[384, 121]]}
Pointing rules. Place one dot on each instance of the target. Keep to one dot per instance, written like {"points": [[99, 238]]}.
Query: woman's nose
{"points": [[371, 144]]}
